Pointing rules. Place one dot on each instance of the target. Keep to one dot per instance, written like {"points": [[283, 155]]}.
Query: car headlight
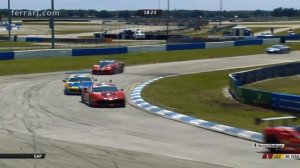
{"points": [[107, 68]]}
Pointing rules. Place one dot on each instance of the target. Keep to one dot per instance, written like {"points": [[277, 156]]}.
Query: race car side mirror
{"points": [[95, 79], [64, 80], [122, 90]]}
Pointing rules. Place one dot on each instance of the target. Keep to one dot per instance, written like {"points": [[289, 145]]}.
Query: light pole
{"points": [[168, 19], [158, 4], [52, 25], [9, 21], [221, 11]]}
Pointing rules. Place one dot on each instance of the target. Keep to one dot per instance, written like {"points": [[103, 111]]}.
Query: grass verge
{"points": [[62, 23], [201, 96], [62, 32], [16, 44], [285, 33], [263, 29], [283, 85], [25, 66]]}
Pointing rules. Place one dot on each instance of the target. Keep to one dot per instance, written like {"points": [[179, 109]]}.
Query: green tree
{"points": [[104, 14], [124, 14], [278, 12]]}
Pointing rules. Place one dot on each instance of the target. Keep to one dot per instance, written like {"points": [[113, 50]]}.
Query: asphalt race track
{"points": [[37, 117]]}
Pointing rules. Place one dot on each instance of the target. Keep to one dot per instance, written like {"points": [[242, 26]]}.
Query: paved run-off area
{"points": [[35, 116]]}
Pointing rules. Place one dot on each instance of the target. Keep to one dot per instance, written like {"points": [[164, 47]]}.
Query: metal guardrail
{"points": [[264, 98]]}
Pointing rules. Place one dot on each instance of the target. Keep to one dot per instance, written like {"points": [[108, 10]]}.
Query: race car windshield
{"points": [[103, 64], [297, 129], [278, 47], [80, 79], [105, 89]]}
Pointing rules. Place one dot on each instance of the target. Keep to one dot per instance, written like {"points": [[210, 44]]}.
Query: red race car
{"points": [[103, 94], [287, 135], [108, 67]]}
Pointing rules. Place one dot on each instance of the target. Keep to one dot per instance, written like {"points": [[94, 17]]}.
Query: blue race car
{"points": [[75, 83]]}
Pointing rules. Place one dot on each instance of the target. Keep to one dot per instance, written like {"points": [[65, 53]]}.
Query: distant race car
{"points": [[266, 34], [289, 136], [108, 67], [279, 49], [103, 95], [75, 83]]}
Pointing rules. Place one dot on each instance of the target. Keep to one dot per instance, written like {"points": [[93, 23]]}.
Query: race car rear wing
{"points": [[78, 72], [286, 120]]}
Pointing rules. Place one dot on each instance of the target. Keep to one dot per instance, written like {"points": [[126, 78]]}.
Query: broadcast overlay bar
{"points": [[281, 156], [22, 156]]}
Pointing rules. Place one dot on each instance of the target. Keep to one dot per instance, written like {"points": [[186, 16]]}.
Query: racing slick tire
{"points": [[90, 103], [66, 92], [122, 69], [82, 98], [272, 140]]}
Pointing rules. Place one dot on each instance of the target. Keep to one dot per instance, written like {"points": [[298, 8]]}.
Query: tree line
{"points": [[278, 12]]}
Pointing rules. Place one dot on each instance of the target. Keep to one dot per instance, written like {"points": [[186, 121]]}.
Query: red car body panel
{"points": [[109, 69], [106, 98], [283, 135]]}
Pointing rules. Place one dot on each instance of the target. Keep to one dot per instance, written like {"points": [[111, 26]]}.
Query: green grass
{"points": [[272, 23], [16, 44], [86, 37], [74, 63], [260, 29], [195, 33], [285, 33], [60, 24], [294, 46], [73, 31], [200, 96], [285, 85], [205, 34]]}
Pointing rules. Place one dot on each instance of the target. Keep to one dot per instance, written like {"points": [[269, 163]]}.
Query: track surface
{"points": [[35, 116]]}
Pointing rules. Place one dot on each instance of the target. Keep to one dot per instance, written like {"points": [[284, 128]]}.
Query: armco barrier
{"points": [[146, 48], [248, 42], [99, 51], [219, 44], [286, 101], [264, 98], [255, 97], [271, 41], [173, 47], [21, 39], [7, 55], [122, 50], [43, 53], [34, 39], [291, 37]]}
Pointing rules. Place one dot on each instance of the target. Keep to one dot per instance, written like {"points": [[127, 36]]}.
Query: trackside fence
{"points": [[264, 98], [127, 49]]}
